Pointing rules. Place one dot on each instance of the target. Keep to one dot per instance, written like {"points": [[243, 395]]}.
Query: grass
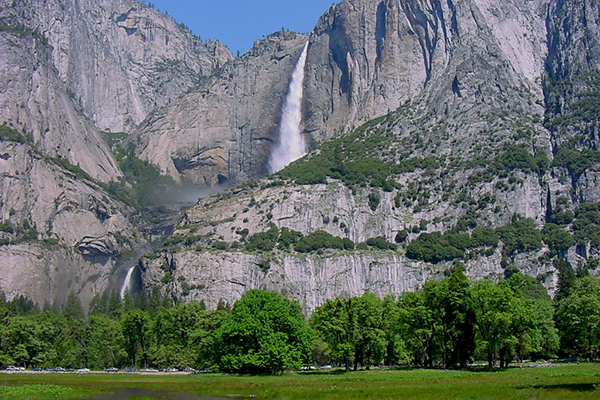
{"points": [[577, 381]]}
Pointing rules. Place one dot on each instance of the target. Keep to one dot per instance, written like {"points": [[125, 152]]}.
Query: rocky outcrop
{"points": [[368, 57], [61, 231], [212, 276], [466, 106], [34, 100], [70, 69], [225, 131], [573, 74], [460, 84], [119, 59], [365, 59]]}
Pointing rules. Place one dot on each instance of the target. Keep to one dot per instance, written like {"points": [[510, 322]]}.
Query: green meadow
{"points": [[572, 381]]}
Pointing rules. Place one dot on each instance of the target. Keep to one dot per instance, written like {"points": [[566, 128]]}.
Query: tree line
{"points": [[449, 323]]}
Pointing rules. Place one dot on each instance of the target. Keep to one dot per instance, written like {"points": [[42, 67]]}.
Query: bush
{"points": [[520, 236], [288, 237], [401, 236], [10, 135], [432, 247], [574, 160], [263, 241], [6, 226], [381, 243], [374, 200], [556, 238], [218, 245], [322, 240], [586, 226]]}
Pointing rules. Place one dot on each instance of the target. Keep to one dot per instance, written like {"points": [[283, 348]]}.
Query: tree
{"points": [[418, 326], [106, 344], [175, 335], [334, 324], [73, 309], [458, 320], [264, 333], [578, 318], [542, 340], [369, 336], [504, 317], [135, 326]]}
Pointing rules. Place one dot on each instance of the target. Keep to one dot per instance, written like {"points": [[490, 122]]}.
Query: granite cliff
{"points": [[440, 133], [482, 153], [69, 71]]}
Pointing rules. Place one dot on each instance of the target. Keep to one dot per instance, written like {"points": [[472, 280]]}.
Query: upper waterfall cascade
{"points": [[291, 144]]}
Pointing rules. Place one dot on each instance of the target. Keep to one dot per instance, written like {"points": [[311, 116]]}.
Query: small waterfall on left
{"points": [[127, 282]]}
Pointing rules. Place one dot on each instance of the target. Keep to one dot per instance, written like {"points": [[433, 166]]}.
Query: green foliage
{"points": [[114, 138], [374, 200], [556, 238], [576, 161], [6, 226], [322, 240], [520, 236], [36, 391], [586, 226], [142, 183], [584, 101], [264, 333], [578, 318], [517, 157], [484, 237], [433, 247], [381, 243], [352, 329], [22, 31], [263, 241], [74, 169], [447, 322], [401, 236], [288, 237], [10, 135], [356, 159]]}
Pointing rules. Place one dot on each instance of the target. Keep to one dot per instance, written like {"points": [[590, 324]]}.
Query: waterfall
{"points": [[291, 143], [127, 281]]}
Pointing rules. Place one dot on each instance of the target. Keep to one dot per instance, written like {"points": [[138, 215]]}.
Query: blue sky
{"points": [[238, 23]]}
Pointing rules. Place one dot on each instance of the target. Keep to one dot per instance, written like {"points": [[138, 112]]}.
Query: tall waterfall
{"points": [[127, 281], [291, 143]]}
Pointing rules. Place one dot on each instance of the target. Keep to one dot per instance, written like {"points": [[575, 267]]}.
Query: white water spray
{"points": [[291, 143], [126, 282]]}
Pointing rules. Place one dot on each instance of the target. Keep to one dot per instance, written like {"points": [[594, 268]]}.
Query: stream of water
{"points": [[291, 144]]}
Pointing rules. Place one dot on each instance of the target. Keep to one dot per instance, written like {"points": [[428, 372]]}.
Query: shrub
{"points": [[263, 241], [556, 238], [381, 243], [401, 236], [520, 236], [374, 200], [322, 240]]}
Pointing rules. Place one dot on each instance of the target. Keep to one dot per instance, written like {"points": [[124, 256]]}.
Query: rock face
{"points": [[225, 131], [422, 116], [462, 90], [198, 272], [119, 59], [369, 57], [70, 69], [65, 231], [35, 101], [365, 58]]}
